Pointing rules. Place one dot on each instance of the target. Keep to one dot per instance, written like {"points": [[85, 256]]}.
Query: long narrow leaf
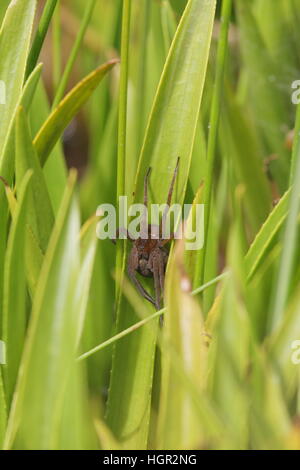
{"points": [[67, 109], [170, 133], [52, 338], [14, 40]]}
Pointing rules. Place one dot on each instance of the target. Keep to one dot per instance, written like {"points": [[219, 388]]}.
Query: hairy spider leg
{"points": [[144, 227], [133, 262], [170, 193], [157, 283], [158, 268]]}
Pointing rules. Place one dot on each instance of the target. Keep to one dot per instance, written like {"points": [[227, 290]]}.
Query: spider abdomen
{"points": [[144, 268]]}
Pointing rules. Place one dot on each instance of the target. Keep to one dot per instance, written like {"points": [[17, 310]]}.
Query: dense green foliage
{"points": [[113, 88]]}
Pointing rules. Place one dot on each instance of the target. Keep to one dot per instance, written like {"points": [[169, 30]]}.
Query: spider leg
{"points": [[131, 270], [170, 193], [158, 268], [144, 225], [173, 182], [161, 269], [146, 187], [163, 242], [139, 286], [156, 284]]}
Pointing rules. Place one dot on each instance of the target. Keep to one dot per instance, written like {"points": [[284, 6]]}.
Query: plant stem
{"points": [[214, 122], [296, 145], [56, 46], [122, 128], [286, 263], [73, 55], [40, 36], [143, 322]]}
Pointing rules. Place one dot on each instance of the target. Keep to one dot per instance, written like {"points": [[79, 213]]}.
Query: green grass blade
{"points": [[170, 133], [289, 249], [214, 123], [15, 36], [40, 35], [7, 166], [240, 144], [172, 124], [28, 92], [30, 87], [179, 426], [266, 237], [97, 187], [178, 371], [228, 359], [14, 305], [62, 115], [55, 169], [79, 38], [296, 145], [41, 218], [57, 46], [280, 345], [262, 76], [143, 322], [122, 126], [40, 214], [52, 338], [77, 430], [88, 252]]}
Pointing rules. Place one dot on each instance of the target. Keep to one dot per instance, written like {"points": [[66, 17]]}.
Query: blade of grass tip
{"points": [[74, 52], [286, 264], [41, 217], [40, 36], [266, 237], [60, 117], [15, 37], [143, 322], [214, 121], [7, 162], [122, 128], [55, 170], [172, 123]]}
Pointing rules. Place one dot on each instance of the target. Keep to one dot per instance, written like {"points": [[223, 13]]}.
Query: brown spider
{"points": [[148, 255]]}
